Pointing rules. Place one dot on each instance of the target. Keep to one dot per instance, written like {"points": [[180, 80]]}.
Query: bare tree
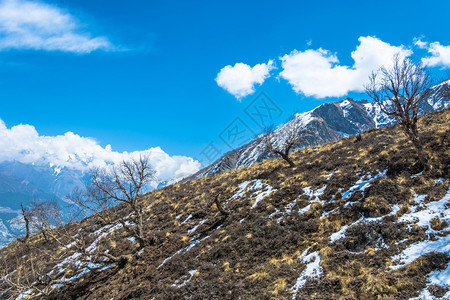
{"points": [[20, 273], [15, 280], [282, 140], [26, 215], [45, 215], [22, 276], [124, 184], [398, 91]]}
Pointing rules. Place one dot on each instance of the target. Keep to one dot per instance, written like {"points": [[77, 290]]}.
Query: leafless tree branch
{"points": [[287, 136], [398, 91]]}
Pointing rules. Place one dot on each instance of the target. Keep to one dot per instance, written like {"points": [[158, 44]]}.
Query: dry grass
{"points": [[253, 253]]}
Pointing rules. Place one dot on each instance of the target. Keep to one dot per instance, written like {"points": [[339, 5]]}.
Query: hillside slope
{"points": [[355, 219], [328, 122]]}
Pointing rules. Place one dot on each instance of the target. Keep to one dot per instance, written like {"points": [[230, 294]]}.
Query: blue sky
{"points": [[140, 74]]}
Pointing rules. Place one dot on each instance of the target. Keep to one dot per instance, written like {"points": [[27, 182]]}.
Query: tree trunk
{"points": [[45, 235], [288, 159], [143, 241], [121, 260], [414, 136], [140, 229], [26, 218], [219, 207], [27, 228]]}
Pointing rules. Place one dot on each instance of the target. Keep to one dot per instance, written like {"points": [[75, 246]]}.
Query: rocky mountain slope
{"points": [[355, 219], [328, 122]]}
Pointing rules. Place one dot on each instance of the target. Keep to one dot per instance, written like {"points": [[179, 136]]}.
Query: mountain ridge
{"points": [[339, 119]]}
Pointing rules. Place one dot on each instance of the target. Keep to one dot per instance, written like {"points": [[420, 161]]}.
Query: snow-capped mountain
{"points": [[329, 122], [29, 178], [20, 182]]}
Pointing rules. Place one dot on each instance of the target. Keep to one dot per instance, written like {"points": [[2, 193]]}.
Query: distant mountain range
{"points": [[20, 182], [329, 122]]}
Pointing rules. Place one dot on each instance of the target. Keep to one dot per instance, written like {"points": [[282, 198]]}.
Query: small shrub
{"points": [[375, 207], [360, 236], [438, 224], [427, 263], [437, 291]]}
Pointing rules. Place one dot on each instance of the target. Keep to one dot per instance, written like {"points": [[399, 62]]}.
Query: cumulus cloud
{"points": [[440, 54], [23, 143], [317, 73], [39, 26], [240, 80], [419, 43]]}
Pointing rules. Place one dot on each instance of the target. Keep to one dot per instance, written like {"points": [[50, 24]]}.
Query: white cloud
{"points": [[240, 80], [440, 55], [419, 43], [317, 73], [23, 143], [39, 26]]}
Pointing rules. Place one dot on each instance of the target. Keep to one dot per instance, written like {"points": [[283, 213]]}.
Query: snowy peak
{"points": [[30, 179], [347, 116], [304, 118], [439, 96]]}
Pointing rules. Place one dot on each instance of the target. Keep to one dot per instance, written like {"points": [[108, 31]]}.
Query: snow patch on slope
{"points": [[362, 185], [436, 209], [260, 190], [313, 269], [422, 218], [345, 106]]}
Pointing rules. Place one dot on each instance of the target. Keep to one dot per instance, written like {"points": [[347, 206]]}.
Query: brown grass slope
{"points": [[253, 253]]}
